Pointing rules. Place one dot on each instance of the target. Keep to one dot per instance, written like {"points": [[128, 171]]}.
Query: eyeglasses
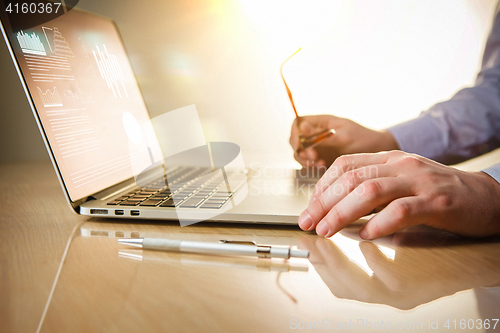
{"points": [[305, 141]]}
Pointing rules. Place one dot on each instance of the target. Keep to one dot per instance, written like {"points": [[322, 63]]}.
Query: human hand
{"points": [[408, 190], [350, 138]]}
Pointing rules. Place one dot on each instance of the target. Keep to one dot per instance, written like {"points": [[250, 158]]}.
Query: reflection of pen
{"points": [[215, 261], [175, 245]]}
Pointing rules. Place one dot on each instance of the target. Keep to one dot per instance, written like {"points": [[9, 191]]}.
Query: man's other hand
{"points": [[350, 138]]}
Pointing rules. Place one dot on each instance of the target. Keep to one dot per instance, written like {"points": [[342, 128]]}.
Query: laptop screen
{"points": [[84, 93]]}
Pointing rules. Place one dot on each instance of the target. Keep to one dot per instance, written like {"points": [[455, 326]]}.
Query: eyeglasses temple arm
{"points": [[286, 85]]}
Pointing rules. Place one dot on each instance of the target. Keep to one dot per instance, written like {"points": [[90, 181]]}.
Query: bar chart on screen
{"points": [[47, 63], [57, 43], [110, 71], [30, 43]]}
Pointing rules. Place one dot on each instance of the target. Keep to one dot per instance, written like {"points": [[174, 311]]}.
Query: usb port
{"points": [[119, 212], [135, 213], [98, 211]]}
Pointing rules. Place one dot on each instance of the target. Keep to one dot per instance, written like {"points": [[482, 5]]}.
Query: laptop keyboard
{"points": [[209, 193]]}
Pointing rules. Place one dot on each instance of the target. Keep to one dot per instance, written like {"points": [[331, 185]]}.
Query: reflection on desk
{"points": [[219, 261], [425, 265], [419, 269], [66, 273]]}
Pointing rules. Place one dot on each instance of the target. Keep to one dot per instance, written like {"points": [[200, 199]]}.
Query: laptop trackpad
{"points": [[275, 196]]}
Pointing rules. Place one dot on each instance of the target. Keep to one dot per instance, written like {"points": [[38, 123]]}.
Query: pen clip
{"points": [[225, 241]]}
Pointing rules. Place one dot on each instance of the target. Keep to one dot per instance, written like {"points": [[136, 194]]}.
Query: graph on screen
{"points": [[49, 98], [30, 44], [76, 94], [47, 64], [57, 43], [110, 71]]}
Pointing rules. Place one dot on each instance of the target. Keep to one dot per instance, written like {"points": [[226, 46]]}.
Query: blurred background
{"points": [[377, 62]]}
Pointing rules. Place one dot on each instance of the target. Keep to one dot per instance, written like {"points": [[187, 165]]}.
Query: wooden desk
{"points": [[61, 272]]}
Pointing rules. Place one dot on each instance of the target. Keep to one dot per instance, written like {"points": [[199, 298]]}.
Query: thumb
{"points": [[306, 128]]}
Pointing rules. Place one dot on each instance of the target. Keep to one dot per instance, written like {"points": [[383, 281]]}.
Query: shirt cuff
{"points": [[420, 136], [493, 171]]}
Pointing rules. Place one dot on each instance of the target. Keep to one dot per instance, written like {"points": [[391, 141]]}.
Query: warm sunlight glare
{"points": [[377, 62]]}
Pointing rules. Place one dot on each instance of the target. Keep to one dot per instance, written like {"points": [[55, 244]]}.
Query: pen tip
{"points": [[131, 241]]}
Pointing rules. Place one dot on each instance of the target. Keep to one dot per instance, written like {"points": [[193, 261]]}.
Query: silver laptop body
{"points": [[80, 84]]}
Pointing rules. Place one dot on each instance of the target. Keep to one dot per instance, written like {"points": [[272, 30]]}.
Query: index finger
{"points": [[360, 202], [347, 163]]}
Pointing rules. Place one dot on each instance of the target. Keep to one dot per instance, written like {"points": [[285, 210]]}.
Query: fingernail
{"points": [[364, 234], [322, 229], [305, 221]]}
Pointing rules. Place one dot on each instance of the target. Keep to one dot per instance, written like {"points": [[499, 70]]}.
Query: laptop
{"points": [[85, 99]]}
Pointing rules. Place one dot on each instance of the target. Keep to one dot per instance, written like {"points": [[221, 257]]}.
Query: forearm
{"points": [[466, 126]]}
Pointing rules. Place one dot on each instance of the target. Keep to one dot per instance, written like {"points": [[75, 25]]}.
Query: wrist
{"points": [[491, 187], [386, 142]]}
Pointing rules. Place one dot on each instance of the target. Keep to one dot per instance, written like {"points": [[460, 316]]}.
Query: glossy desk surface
{"points": [[61, 272]]}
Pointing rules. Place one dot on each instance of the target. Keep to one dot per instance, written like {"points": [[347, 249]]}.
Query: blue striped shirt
{"points": [[465, 126]]}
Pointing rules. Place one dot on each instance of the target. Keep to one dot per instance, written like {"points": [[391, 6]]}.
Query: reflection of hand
{"points": [[350, 138], [343, 278], [415, 276], [409, 189]]}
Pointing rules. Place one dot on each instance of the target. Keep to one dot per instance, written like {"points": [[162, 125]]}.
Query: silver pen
{"points": [[232, 248]]}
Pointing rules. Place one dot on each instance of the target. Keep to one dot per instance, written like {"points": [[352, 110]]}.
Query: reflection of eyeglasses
{"points": [[305, 141]]}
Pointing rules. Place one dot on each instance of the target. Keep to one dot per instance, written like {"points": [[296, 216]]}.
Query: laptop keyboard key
{"points": [[200, 196], [129, 203], [150, 203], [168, 203], [179, 197], [192, 203], [140, 197], [212, 201], [211, 206], [220, 196], [160, 196], [147, 192]]}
